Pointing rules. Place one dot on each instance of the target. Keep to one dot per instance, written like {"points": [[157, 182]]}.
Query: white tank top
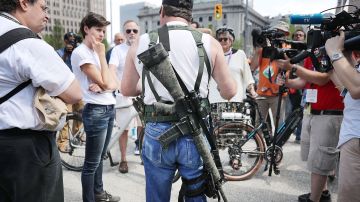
{"points": [[183, 56]]}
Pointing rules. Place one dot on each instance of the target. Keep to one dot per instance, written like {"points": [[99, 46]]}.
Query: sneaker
{"points": [[136, 151], [325, 197], [105, 196], [297, 141]]}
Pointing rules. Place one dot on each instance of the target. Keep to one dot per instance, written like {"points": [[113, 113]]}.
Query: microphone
{"points": [[316, 18]]}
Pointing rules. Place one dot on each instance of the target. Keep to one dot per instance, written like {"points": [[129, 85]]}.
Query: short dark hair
{"points": [[10, 5], [177, 12], [92, 20], [196, 24]]}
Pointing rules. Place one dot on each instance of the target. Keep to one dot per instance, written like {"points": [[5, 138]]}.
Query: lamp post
{"points": [[246, 26]]}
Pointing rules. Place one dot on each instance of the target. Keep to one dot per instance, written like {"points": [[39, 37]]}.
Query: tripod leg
{"points": [[112, 163]]}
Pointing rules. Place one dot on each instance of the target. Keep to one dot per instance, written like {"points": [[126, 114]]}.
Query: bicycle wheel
{"points": [[240, 158], [74, 158]]}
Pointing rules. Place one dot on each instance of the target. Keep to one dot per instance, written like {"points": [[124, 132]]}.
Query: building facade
{"points": [[233, 16], [203, 12], [70, 13]]}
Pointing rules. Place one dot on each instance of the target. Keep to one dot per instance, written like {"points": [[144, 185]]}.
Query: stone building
{"points": [[70, 12]]}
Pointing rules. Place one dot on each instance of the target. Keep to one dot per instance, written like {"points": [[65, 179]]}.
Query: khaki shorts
{"points": [[122, 117], [349, 171], [319, 138]]}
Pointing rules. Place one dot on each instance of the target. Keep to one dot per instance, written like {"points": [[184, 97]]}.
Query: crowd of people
{"points": [[99, 83]]}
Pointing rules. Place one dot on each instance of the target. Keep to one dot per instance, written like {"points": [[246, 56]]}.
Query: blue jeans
{"points": [[98, 123], [161, 163]]}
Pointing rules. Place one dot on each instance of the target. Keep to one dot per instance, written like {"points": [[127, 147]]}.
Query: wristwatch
{"points": [[336, 56]]}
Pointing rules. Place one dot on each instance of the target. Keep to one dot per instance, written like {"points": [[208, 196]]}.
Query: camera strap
{"points": [[8, 39]]}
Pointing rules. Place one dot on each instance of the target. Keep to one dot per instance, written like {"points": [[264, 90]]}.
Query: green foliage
{"points": [[56, 38], [239, 43], [105, 42]]}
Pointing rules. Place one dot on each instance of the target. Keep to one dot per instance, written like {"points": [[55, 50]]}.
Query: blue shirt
{"points": [[61, 53]]}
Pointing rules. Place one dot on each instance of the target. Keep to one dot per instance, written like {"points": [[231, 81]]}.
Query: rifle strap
{"points": [[163, 35]]}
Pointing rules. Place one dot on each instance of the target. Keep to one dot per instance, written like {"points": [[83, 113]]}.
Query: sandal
{"points": [[123, 167]]}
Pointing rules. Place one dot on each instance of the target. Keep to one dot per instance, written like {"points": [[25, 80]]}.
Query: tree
{"points": [[55, 39]]}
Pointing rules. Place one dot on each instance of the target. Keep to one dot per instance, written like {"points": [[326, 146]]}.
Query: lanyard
{"points": [[229, 54]]}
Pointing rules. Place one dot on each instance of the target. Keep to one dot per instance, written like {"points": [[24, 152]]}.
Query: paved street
{"points": [[293, 180]]}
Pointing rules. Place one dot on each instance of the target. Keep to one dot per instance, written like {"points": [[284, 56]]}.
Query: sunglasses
{"points": [[222, 39], [135, 31]]}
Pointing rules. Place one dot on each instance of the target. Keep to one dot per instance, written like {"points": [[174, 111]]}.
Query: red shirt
{"points": [[328, 97]]}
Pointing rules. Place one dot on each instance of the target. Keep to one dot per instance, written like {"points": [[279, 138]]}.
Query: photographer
{"points": [[348, 77], [70, 41], [321, 124], [293, 100], [70, 45], [267, 87]]}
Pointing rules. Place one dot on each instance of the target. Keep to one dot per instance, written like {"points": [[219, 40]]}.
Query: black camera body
{"points": [[74, 41], [272, 42], [262, 38], [330, 27]]}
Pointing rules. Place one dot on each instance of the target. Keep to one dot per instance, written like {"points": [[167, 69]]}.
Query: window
{"points": [[200, 19], [224, 15], [210, 18]]}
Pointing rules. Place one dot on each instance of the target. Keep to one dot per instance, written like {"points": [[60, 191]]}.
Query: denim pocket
{"points": [[152, 148], [188, 153]]}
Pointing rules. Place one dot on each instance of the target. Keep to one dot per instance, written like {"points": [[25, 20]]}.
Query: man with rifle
{"points": [[175, 74]]}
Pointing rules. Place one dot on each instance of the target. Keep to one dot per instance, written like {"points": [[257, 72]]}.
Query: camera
{"points": [[272, 43], [329, 27], [72, 40]]}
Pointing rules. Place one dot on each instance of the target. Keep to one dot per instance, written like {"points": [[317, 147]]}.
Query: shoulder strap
{"points": [[13, 36], [203, 57], [6, 40]]}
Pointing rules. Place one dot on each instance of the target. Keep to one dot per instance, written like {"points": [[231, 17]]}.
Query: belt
{"points": [[151, 116], [326, 112]]}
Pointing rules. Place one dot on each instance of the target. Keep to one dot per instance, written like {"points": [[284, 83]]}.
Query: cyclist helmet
{"points": [[223, 30]]}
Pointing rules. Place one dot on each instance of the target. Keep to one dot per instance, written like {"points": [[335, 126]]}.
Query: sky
{"points": [[276, 6], [264, 7]]}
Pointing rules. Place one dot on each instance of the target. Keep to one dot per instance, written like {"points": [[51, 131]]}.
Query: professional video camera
{"points": [[272, 41], [329, 27]]}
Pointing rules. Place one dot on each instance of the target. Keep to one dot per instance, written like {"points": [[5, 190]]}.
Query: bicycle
{"points": [[74, 159], [242, 149]]}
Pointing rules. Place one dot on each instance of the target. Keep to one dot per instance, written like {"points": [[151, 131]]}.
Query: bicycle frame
{"points": [[283, 132], [119, 128]]}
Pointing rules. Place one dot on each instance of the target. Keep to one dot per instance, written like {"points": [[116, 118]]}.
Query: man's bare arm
{"points": [[130, 77], [72, 94], [344, 70]]}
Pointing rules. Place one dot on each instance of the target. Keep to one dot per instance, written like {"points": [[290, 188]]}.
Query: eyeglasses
{"points": [[223, 39], [135, 31], [45, 9]]}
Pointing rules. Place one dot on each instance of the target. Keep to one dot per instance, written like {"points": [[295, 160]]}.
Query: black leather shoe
{"points": [[325, 197], [106, 197]]}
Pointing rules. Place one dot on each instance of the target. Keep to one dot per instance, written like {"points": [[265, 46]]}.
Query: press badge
{"points": [[311, 95]]}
